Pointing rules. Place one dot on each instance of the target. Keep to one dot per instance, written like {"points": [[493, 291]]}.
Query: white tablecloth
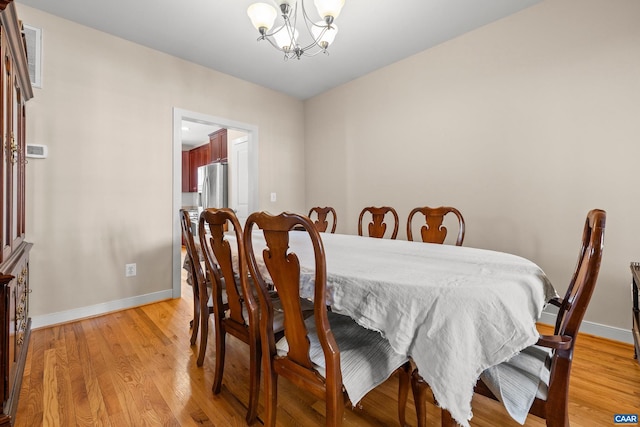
{"points": [[454, 310]]}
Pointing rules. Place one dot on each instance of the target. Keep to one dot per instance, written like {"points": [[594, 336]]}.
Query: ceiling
{"points": [[218, 34], [195, 134]]}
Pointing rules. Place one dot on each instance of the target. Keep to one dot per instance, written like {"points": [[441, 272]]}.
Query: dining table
{"points": [[454, 310]]}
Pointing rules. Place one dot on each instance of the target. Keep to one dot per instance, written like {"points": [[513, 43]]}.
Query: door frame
{"points": [[252, 139]]}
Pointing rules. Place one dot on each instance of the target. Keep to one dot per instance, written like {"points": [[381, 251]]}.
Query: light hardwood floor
{"points": [[136, 368]]}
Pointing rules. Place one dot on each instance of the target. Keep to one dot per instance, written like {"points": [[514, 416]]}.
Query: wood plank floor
{"points": [[136, 368]]}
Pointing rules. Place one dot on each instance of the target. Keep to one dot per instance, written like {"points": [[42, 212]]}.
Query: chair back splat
{"points": [[377, 227], [322, 223], [434, 230]]}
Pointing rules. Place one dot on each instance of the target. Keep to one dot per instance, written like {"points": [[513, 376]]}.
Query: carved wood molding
{"points": [[13, 30]]}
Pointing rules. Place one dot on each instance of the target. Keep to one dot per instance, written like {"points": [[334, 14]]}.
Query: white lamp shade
{"points": [[328, 35], [262, 15], [329, 8], [283, 39]]}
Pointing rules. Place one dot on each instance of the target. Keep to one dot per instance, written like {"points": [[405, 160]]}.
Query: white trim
{"points": [[252, 137], [592, 328], [98, 309]]}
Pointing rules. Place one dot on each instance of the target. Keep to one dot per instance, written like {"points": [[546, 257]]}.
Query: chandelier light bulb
{"points": [[330, 8], [284, 40], [324, 34], [262, 16]]}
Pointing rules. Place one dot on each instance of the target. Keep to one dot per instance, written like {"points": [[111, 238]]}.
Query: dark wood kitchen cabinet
{"points": [[15, 323], [186, 172], [218, 144], [214, 151], [199, 156]]}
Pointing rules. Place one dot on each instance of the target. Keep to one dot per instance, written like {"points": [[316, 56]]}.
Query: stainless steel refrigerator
{"points": [[213, 186]]}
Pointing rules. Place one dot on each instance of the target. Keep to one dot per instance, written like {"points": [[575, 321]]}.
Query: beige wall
{"points": [[103, 198], [524, 125]]}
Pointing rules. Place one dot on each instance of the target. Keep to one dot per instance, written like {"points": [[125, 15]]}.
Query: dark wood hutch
{"points": [[15, 323]]}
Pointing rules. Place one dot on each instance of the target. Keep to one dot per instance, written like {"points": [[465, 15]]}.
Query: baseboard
{"points": [[597, 329], [98, 309]]}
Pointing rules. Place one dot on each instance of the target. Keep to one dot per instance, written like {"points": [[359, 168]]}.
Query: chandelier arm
{"points": [[274, 44], [291, 30], [309, 24], [306, 52], [316, 40], [304, 13], [308, 20], [312, 45], [292, 25], [305, 16], [275, 32]]}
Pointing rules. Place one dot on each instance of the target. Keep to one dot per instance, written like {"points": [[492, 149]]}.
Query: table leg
{"points": [[420, 387]]}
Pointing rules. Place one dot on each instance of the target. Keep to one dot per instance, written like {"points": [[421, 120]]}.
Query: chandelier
{"points": [[285, 37]]}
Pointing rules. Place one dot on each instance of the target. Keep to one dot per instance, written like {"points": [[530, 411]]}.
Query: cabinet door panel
{"points": [[15, 162], [185, 172], [199, 156], [193, 172], [218, 144]]}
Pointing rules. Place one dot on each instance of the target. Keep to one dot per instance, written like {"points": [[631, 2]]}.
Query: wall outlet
{"points": [[130, 270], [273, 197]]}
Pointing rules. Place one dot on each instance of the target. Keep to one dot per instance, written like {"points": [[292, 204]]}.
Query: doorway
{"points": [[249, 183]]}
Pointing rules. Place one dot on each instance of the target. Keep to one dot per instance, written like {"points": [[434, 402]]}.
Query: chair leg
{"points": [[255, 357], [556, 406], [404, 377], [220, 353], [420, 388], [195, 322], [335, 408], [559, 421], [204, 331], [559, 417], [270, 394]]}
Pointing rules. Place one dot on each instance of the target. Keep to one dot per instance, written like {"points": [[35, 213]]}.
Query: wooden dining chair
{"points": [[377, 227], [434, 230], [544, 368], [239, 316], [321, 223], [328, 354], [198, 281]]}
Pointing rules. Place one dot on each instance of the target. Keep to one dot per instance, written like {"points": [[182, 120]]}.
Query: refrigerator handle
{"points": [[205, 192]]}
